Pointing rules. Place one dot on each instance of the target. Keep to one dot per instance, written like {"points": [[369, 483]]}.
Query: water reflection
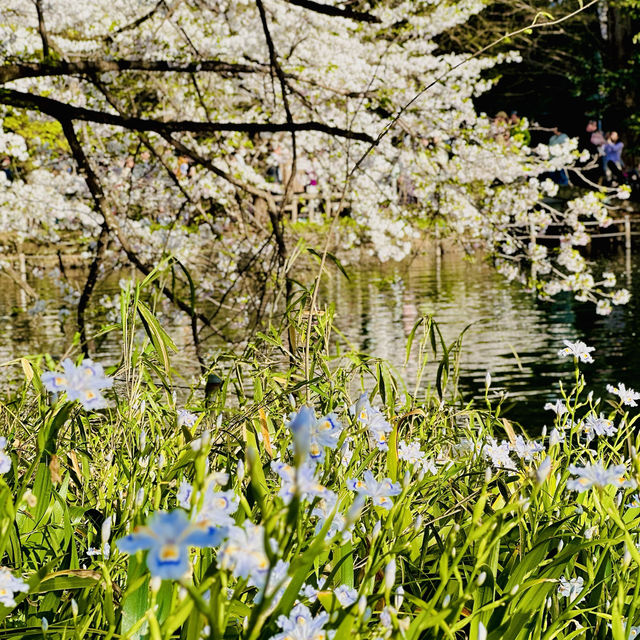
{"points": [[513, 336]]}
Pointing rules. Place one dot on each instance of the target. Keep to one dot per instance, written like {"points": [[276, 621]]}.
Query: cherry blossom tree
{"points": [[168, 114]]}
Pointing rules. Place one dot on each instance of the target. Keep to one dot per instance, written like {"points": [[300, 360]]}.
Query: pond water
{"points": [[513, 336]]}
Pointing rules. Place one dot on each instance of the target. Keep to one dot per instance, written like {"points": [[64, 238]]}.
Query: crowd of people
{"points": [[605, 151], [601, 162]]}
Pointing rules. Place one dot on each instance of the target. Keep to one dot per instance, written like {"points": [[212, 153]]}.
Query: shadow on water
{"points": [[514, 336]]}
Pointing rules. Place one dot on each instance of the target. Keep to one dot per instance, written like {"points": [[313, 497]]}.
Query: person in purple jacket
{"points": [[613, 157]]}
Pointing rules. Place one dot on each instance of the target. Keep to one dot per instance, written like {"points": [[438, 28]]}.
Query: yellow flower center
{"points": [[170, 552]]}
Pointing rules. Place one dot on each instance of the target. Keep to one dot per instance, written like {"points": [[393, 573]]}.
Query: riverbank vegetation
{"points": [[310, 494]]}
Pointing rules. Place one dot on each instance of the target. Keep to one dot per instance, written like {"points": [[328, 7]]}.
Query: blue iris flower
{"points": [[82, 383], [300, 424], [380, 491], [311, 435], [168, 536]]}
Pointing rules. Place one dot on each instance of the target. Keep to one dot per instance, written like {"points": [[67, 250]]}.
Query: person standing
{"points": [[613, 158], [560, 177], [591, 170], [500, 127]]}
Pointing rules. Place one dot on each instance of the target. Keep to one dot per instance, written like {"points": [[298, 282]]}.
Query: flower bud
{"points": [[155, 583], [354, 511], [240, 470], [543, 471], [390, 575], [106, 529], [481, 578], [362, 605]]}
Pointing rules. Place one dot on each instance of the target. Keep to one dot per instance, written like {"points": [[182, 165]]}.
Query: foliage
{"points": [[472, 537]]}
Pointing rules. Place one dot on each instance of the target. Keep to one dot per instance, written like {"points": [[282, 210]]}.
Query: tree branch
{"points": [[136, 23], [42, 29], [277, 217], [111, 224], [62, 111], [86, 67], [101, 244], [339, 12]]}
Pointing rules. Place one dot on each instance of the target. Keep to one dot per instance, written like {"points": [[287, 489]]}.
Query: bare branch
{"points": [[339, 12], [276, 218], [86, 67], [136, 23], [42, 30], [62, 111]]}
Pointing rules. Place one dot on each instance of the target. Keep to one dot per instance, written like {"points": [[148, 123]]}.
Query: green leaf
{"points": [[160, 339], [69, 579], [136, 598], [333, 259]]}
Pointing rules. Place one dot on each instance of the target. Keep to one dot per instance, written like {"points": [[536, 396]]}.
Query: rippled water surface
{"points": [[513, 336]]}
